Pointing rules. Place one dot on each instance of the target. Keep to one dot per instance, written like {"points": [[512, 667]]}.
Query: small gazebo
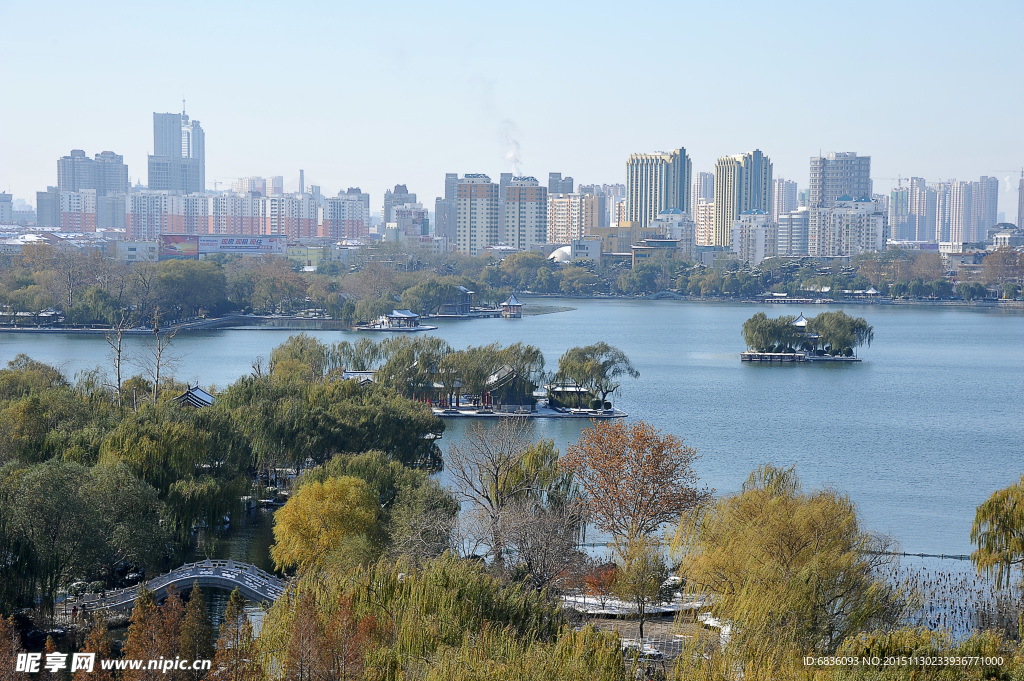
{"points": [[511, 308]]}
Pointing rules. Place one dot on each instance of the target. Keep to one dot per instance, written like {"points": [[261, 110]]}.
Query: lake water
{"points": [[918, 434]]}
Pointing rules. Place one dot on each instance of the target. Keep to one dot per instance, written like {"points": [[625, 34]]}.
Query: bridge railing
{"points": [[242, 574]]}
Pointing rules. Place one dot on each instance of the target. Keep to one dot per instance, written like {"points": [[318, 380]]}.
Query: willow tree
{"points": [[998, 531], [793, 571]]}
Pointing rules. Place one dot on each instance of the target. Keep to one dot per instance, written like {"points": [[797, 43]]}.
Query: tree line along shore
{"points": [[394, 576], [45, 286]]}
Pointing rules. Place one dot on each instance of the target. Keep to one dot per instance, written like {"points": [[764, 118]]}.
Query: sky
{"points": [[375, 94]]}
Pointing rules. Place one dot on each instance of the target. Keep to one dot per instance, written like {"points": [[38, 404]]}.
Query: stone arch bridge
{"points": [[252, 582]]}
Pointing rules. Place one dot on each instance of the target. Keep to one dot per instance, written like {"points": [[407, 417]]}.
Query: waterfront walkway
{"points": [[253, 583]]}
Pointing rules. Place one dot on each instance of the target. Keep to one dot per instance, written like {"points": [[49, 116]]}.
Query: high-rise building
{"points": [[444, 219], [839, 174], [48, 208], [450, 180], [742, 182], [565, 218], [754, 236], [703, 188], [899, 213], [943, 210], [525, 217], [178, 162], [559, 185], [476, 214], [984, 207], [347, 215], [275, 185], [6, 209], [504, 180], [794, 230], [920, 213], [106, 173], [398, 197], [961, 212], [249, 185], [656, 182], [704, 221], [411, 219], [783, 197], [842, 174], [848, 227]]}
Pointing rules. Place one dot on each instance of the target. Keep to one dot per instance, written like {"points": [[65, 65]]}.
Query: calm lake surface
{"points": [[918, 434]]}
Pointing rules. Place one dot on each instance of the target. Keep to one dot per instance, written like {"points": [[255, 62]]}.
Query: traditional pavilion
{"points": [[512, 308], [194, 397], [401, 319]]}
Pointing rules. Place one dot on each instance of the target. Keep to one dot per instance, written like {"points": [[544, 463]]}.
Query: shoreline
{"points": [[294, 323]]}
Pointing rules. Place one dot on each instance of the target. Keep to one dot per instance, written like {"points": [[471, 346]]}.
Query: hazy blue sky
{"points": [[373, 94]]}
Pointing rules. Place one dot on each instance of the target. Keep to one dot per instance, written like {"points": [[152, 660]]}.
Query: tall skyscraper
{"points": [[657, 182], [742, 182], [783, 197], [178, 162], [525, 217], [476, 214]]}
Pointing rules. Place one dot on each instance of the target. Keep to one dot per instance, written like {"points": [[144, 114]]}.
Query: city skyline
{"points": [[495, 115]]}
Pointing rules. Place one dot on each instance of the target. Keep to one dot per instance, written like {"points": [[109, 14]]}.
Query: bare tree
{"points": [[161, 358], [119, 355], [521, 505]]}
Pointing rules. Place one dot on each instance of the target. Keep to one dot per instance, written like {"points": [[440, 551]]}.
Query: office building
{"points": [[754, 236], [450, 180], [525, 216], [742, 183], [656, 182], [178, 162], [794, 230], [476, 214], [444, 219]]}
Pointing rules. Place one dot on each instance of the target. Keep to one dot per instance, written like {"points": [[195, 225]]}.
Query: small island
{"points": [[827, 337]]}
